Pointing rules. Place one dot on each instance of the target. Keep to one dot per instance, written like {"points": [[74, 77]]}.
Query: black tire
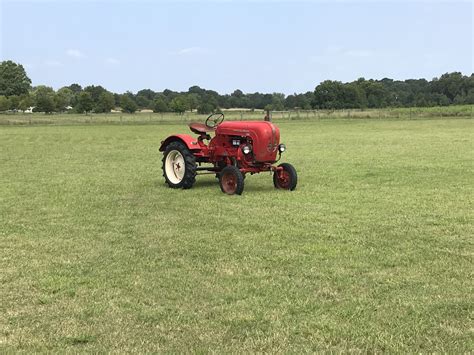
{"points": [[231, 180], [289, 179], [188, 178]]}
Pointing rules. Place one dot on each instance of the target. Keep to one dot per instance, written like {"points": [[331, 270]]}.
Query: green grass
{"points": [[372, 252]]}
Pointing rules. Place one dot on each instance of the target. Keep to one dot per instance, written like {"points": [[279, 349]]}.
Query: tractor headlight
{"points": [[281, 148], [246, 149]]}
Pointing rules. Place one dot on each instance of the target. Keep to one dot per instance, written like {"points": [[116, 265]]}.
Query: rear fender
{"points": [[189, 141]]}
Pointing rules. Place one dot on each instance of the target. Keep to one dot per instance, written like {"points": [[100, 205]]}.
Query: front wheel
{"points": [[231, 180], [286, 178], [179, 166]]}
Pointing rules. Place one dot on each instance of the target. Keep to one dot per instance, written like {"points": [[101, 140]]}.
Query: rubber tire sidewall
{"points": [[293, 176], [189, 177], [231, 169]]}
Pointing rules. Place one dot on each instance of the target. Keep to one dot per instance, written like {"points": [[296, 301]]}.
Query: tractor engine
{"points": [[249, 142]]}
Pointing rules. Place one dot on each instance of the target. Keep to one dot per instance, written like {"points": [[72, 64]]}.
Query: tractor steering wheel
{"points": [[214, 119]]}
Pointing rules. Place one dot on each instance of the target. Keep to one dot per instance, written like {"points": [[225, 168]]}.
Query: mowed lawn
{"points": [[372, 252]]}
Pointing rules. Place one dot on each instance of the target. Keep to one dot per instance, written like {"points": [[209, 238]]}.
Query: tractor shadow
{"points": [[206, 182], [258, 188], [249, 185]]}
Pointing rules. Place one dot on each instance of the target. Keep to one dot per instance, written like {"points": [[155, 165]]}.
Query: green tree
{"points": [[268, 107], [84, 102], [26, 102], [193, 101], [142, 102], [449, 84], [14, 102], [75, 88], [95, 92], [179, 104], [144, 98], [63, 99], [67, 94], [105, 103], [44, 99], [127, 104], [353, 96], [160, 105], [328, 94], [13, 79], [278, 101], [205, 108], [4, 103], [196, 90]]}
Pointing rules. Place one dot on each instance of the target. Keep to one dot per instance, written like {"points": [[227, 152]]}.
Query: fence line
{"points": [[465, 111]]}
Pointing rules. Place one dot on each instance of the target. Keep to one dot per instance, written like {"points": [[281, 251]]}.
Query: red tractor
{"points": [[237, 148]]}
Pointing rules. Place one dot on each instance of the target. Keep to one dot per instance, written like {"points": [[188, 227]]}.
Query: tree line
{"points": [[16, 93]]}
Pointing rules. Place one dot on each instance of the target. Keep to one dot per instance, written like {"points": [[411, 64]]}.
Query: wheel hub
{"points": [[175, 166], [283, 179], [229, 183]]}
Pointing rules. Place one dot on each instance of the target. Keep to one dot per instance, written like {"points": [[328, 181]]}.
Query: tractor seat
{"points": [[200, 128]]}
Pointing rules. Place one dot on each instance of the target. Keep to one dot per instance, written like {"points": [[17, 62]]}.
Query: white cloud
{"points": [[112, 61], [76, 53], [191, 50]]}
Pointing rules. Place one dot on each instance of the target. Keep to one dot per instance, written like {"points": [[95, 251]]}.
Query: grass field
{"points": [[372, 252]]}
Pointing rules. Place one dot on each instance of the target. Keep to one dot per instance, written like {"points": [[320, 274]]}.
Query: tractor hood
{"points": [[265, 137]]}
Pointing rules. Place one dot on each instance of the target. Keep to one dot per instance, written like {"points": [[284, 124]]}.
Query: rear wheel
{"points": [[231, 180], [179, 166], [286, 178]]}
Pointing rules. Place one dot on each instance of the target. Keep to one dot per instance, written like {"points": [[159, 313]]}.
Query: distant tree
{"points": [[60, 103], [353, 96], [278, 101], [44, 99], [170, 95], [14, 102], [117, 98], [179, 104], [193, 100], [268, 107], [205, 108], [291, 101], [84, 102], [236, 99], [142, 101], [449, 84], [450, 88], [160, 105], [328, 94], [105, 103], [4, 103], [298, 101], [13, 79], [440, 100], [127, 104], [196, 90], [377, 95], [237, 93], [147, 93], [63, 98], [75, 88], [95, 92], [224, 101], [26, 102]]}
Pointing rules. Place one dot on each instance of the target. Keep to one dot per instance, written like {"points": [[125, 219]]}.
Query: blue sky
{"points": [[266, 46]]}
